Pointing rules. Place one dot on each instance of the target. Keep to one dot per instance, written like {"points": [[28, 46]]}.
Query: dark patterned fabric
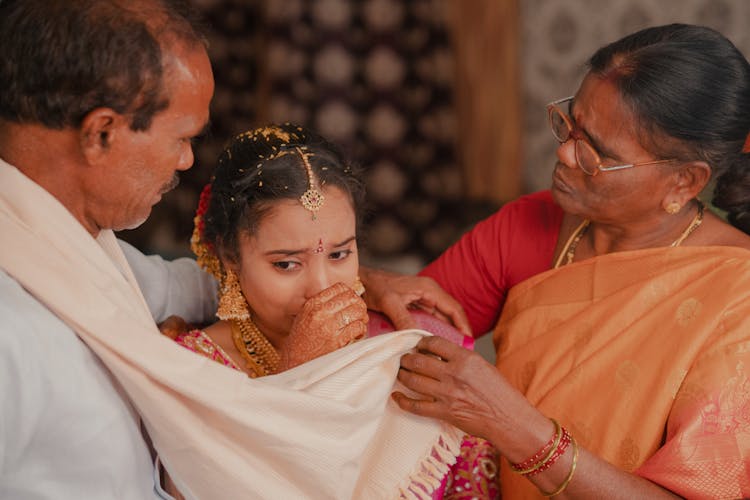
{"points": [[374, 77]]}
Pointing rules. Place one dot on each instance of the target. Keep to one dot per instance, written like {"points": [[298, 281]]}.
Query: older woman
{"points": [[624, 348]]}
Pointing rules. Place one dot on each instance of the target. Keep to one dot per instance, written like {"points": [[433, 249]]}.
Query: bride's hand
{"points": [[335, 317]]}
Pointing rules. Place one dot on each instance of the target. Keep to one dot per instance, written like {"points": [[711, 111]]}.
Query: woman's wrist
{"points": [[522, 435]]}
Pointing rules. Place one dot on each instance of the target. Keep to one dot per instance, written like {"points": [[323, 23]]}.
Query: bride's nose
{"points": [[318, 278]]}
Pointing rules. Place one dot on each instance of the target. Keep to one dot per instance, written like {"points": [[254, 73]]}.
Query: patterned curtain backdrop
{"points": [[377, 78], [558, 38]]}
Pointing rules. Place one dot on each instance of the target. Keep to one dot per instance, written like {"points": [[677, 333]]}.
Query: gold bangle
{"points": [[555, 443], [565, 483]]}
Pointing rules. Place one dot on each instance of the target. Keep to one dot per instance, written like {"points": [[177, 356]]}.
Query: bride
{"points": [[277, 227]]}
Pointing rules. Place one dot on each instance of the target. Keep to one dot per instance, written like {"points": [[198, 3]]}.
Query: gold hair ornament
{"points": [[312, 199]]}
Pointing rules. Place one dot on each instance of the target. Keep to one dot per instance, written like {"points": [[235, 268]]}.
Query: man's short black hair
{"points": [[64, 58]]}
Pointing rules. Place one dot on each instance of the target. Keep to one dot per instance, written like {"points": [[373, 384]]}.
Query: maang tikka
{"points": [[312, 199]]}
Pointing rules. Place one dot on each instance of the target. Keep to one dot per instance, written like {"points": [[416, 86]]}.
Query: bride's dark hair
{"points": [[264, 165]]}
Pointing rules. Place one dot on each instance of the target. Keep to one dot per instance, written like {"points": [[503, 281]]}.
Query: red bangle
{"points": [[559, 451], [542, 456]]}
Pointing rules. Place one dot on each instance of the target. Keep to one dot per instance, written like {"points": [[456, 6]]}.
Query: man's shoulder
{"points": [[29, 330], [18, 307], [56, 396]]}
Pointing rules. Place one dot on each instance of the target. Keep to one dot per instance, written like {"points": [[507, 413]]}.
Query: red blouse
{"points": [[508, 247]]}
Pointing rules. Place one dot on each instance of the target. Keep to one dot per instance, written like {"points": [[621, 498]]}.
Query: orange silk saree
{"points": [[644, 356]]}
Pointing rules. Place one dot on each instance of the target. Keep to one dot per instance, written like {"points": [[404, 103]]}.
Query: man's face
{"points": [[143, 165]]}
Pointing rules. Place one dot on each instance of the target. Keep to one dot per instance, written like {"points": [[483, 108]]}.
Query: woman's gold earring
{"points": [[672, 207], [232, 304]]}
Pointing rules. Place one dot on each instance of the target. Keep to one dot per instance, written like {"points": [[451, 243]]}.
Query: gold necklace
{"points": [[697, 220], [569, 250], [260, 356]]}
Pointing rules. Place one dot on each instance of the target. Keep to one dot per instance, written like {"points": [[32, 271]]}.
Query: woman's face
{"points": [[600, 116], [293, 257]]}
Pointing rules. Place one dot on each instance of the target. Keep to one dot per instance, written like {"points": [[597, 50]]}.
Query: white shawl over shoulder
{"points": [[326, 429]]}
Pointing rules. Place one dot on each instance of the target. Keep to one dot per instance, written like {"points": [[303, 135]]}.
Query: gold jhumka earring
{"points": [[232, 304], [259, 354]]}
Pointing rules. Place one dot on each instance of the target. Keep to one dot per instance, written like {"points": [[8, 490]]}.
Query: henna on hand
{"points": [[334, 318]]}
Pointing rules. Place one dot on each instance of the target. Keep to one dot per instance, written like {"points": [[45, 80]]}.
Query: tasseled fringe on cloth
{"points": [[430, 472]]}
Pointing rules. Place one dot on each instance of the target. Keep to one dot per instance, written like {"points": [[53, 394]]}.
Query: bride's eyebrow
{"points": [[286, 252], [345, 242], [290, 252]]}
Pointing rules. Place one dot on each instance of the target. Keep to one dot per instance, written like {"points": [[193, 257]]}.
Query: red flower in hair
{"points": [[202, 249]]}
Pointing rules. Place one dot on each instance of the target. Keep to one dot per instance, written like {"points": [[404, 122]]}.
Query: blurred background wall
{"points": [[441, 101]]}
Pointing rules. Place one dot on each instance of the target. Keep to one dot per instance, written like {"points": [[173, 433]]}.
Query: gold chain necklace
{"points": [[569, 250], [697, 220], [260, 356]]}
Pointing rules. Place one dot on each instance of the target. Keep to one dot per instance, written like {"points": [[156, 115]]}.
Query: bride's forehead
{"points": [[287, 224]]}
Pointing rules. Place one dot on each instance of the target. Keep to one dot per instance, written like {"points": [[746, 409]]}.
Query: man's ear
{"points": [[99, 129], [691, 178]]}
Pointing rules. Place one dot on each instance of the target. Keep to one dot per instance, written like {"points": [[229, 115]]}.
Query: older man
{"points": [[100, 101]]}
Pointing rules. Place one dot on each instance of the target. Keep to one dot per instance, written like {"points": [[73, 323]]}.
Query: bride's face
{"points": [[292, 257]]}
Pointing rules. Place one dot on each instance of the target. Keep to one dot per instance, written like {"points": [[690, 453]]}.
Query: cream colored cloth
{"points": [[326, 429]]}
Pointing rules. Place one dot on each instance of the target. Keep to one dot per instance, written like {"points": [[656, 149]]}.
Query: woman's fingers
{"points": [[423, 407], [425, 365], [393, 295], [443, 306], [442, 348]]}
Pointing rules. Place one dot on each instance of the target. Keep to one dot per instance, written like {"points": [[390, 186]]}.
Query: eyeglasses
{"points": [[587, 157]]}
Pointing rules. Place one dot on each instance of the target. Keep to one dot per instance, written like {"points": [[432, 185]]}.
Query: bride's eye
{"points": [[340, 254], [286, 265]]}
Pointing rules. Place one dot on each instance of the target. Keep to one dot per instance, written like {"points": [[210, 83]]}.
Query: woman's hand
{"points": [[394, 294], [458, 386], [335, 317]]}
